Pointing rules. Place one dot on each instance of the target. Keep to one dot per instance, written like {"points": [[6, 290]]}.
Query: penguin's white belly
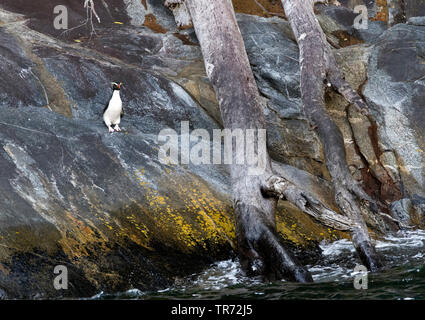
{"points": [[113, 112]]}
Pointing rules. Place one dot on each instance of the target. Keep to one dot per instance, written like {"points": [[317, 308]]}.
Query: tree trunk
{"points": [[319, 68], [260, 248], [255, 197]]}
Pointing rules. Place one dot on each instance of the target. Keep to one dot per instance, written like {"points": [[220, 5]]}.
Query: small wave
{"points": [[336, 248], [223, 274], [334, 268], [129, 294], [403, 240]]}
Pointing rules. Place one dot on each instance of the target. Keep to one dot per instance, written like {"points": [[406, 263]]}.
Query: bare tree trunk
{"points": [[254, 196], [319, 68], [229, 71]]}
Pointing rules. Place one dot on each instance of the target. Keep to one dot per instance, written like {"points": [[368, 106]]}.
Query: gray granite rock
{"points": [[414, 9], [418, 21], [395, 92], [401, 209], [102, 203]]}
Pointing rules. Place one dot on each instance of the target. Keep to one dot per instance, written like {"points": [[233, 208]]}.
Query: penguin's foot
{"points": [[117, 128], [111, 129]]}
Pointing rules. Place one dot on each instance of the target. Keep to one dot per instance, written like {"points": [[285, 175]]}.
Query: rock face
{"points": [[415, 9], [105, 206], [100, 204], [398, 60], [398, 106]]}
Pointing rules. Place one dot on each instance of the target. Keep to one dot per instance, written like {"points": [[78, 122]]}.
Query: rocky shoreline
{"points": [[102, 205]]}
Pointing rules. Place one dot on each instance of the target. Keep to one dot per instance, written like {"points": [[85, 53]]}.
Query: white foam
{"points": [[222, 274], [338, 260], [336, 248]]}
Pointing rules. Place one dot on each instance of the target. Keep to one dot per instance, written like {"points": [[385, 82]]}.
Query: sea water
{"points": [[402, 278]]}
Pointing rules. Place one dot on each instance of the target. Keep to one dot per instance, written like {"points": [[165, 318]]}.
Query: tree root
{"points": [[336, 79], [261, 250], [281, 188], [317, 65]]}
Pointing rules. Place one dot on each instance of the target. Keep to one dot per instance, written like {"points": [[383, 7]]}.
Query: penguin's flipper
{"points": [[106, 107], [122, 113]]}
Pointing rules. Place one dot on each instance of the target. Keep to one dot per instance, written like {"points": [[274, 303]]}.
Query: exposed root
{"points": [[261, 250], [400, 224], [347, 202], [337, 80], [282, 263], [318, 64], [281, 188]]}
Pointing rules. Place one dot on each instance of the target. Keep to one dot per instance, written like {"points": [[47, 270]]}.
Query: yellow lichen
{"points": [[191, 216]]}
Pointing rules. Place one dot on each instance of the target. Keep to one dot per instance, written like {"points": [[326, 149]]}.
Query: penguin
{"points": [[113, 111]]}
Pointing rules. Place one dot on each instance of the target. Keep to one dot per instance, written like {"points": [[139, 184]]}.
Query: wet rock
{"points": [[418, 21], [410, 211], [3, 295], [162, 15], [338, 23], [401, 209], [103, 205], [397, 106], [16, 68], [418, 217], [273, 55], [375, 164], [374, 30], [341, 16], [414, 9]]}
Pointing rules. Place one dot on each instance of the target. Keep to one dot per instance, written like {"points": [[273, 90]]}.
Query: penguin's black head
{"points": [[116, 85]]}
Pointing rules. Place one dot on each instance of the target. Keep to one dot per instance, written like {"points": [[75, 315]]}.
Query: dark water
{"points": [[403, 278]]}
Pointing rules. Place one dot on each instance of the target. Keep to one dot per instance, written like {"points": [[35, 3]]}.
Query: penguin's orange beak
{"points": [[119, 85]]}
